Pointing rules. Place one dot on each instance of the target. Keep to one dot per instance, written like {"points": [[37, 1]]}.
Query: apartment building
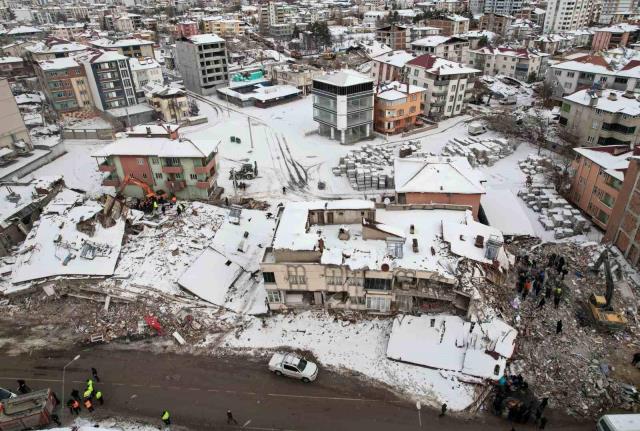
{"points": [[222, 27], [65, 85], [186, 167], [395, 36], [145, 71], [13, 132], [504, 7], [68, 31], [519, 63], [128, 47], [348, 255], [448, 47], [617, 11], [599, 174], [171, 104], [448, 85], [390, 66], [203, 62], [566, 15], [109, 78], [271, 14], [600, 118], [421, 32], [449, 25], [397, 107], [615, 36], [13, 67], [343, 105], [623, 227], [187, 28], [298, 75], [589, 71], [53, 48], [495, 22], [438, 180]]}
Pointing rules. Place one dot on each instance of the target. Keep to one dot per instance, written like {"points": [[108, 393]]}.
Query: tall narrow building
{"points": [[566, 15]]}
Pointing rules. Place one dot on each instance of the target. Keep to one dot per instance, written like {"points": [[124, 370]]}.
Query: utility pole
{"points": [[250, 133]]}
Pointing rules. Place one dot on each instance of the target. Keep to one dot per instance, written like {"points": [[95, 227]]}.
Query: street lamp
{"points": [[64, 369]]}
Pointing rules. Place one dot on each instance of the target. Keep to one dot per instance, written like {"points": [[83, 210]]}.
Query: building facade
{"points": [[450, 25], [450, 48], [171, 104], [601, 118], [203, 63], [109, 78], [187, 28], [395, 36], [65, 85], [145, 71], [505, 7], [397, 107], [521, 63], [448, 84], [566, 15], [12, 129], [343, 105], [597, 180], [390, 66], [495, 22]]}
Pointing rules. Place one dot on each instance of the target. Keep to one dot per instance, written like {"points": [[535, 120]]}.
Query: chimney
{"points": [[593, 101], [629, 94], [321, 244], [479, 241], [599, 92], [173, 134], [148, 132], [612, 96]]}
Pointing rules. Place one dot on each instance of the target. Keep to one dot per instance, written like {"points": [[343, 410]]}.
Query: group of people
{"points": [[154, 205], [90, 395], [539, 279], [512, 394]]}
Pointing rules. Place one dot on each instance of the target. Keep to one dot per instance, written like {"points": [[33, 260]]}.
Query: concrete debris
{"points": [[479, 151]]}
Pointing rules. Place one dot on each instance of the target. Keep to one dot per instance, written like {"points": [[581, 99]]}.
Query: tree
{"points": [[532, 77], [483, 41], [320, 34]]}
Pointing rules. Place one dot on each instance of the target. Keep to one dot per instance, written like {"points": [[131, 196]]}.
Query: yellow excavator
{"points": [[600, 306]]}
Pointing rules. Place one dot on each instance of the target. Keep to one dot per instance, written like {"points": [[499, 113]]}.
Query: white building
{"points": [[520, 63], [388, 67], [614, 11], [202, 60], [506, 7], [448, 84], [449, 47], [565, 15], [145, 71]]}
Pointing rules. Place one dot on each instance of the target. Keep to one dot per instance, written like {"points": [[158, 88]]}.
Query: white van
{"points": [[624, 422]]}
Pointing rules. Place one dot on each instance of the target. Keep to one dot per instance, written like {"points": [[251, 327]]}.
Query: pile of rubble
{"points": [[579, 369], [556, 213], [371, 167], [479, 151]]}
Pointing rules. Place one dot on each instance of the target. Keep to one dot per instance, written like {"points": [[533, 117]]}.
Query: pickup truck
{"points": [[290, 365]]}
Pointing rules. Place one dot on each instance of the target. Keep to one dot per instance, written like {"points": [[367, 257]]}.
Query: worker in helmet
{"points": [[99, 397], [166, 418]]}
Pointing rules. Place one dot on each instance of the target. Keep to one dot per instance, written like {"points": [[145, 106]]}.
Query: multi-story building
{"points": [[170, 103], [202, 60], [298, 75], [506, 7], [145, 71], [222, 27], [566, 15], [617, 11], [271, 14], [343, 105], [450, 25], [12, 67], [599, 117], [451, 48], [598, 178], [623, 227], [438, 180], [496, 23], [185, 167], [65, 85], [390, 66], [448, 84], [127, 47], [520, 63], [187, 28], [615, 36], [347, 254], [397, 107], [109, 78], [589, 71], [395, 36], [13, 132], [422, 32], [68, 31]]}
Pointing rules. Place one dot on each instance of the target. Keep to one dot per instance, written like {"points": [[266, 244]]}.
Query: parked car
{"points": [[291, 365], [6, 394], [621, 422], [476, 129]]}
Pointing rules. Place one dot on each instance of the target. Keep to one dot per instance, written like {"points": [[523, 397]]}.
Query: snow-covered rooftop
{"points": [[395, 58], [431, 41], [56, 48], [436, 175], [194, 147], [613, 164], [396, 90], [440, 66], [344, 78], [143, 63], [23, 29], [205, 38], [58, 63], [119, 43], [10, 59], [622, 105]]}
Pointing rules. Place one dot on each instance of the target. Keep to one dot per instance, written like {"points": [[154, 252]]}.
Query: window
{"points": [[178, 176], [590, 139], [594, 124], [140, 161], [570, 74], [334, 280], [144, 175], [193, 176], [415, 72], [158, 175], [355, 281], [290, 368], [378, 303], [274, 295], [566, 107], [377, 283], [297, 279], [269, 277], [154, 160]]}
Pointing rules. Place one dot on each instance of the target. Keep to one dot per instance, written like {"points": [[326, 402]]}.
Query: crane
{"points": [[148, 191], [600, 306]]}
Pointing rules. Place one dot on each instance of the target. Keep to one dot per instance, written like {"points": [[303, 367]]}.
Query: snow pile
{"points": [[450, 343], [479, 151], [360, 347], [81, 424]]}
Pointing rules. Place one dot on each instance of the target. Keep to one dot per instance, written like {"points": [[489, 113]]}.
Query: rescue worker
{"points": [[94, 373], [99, 397], [90, 383], [88, 404], [88, 393], [166, 417], [443, 409], [75, 405], [230, 418], [557, 294], [22, 387]]}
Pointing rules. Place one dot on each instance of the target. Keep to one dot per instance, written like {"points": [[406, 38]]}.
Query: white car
{"points": [[290, 365]]}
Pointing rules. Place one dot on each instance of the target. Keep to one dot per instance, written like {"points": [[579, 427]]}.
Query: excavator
{"points": [[600, 306], [148, 191]]}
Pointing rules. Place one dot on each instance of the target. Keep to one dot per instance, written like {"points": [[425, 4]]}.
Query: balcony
{"points": [[205, 185], [176, 185], [172, 169], [111, 182], [207, 169], [105, 167]]}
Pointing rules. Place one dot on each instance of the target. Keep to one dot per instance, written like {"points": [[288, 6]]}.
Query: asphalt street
{"points": [[198, 390]]}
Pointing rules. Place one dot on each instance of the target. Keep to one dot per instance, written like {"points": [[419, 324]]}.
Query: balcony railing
{"points": [[206, 184], [207, 169], [172, 169]]}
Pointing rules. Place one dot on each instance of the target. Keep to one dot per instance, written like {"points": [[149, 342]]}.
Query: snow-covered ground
{"points": [[359, 347], [81, 424]]}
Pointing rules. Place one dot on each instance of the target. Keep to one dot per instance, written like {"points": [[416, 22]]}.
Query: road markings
{"points": [[246, 423]]}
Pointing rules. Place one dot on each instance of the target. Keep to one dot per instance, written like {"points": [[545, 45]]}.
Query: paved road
{"points": [[198, 390]]}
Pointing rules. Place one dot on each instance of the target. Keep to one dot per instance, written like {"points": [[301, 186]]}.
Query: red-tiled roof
{"points": [[631, 65], [427, 61], [593, 59]]}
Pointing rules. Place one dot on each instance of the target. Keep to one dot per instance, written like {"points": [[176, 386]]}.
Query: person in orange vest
{"points": [[88, 404]]}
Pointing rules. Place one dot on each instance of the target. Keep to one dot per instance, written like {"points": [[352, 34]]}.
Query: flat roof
{"points": [[344, 78]]}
